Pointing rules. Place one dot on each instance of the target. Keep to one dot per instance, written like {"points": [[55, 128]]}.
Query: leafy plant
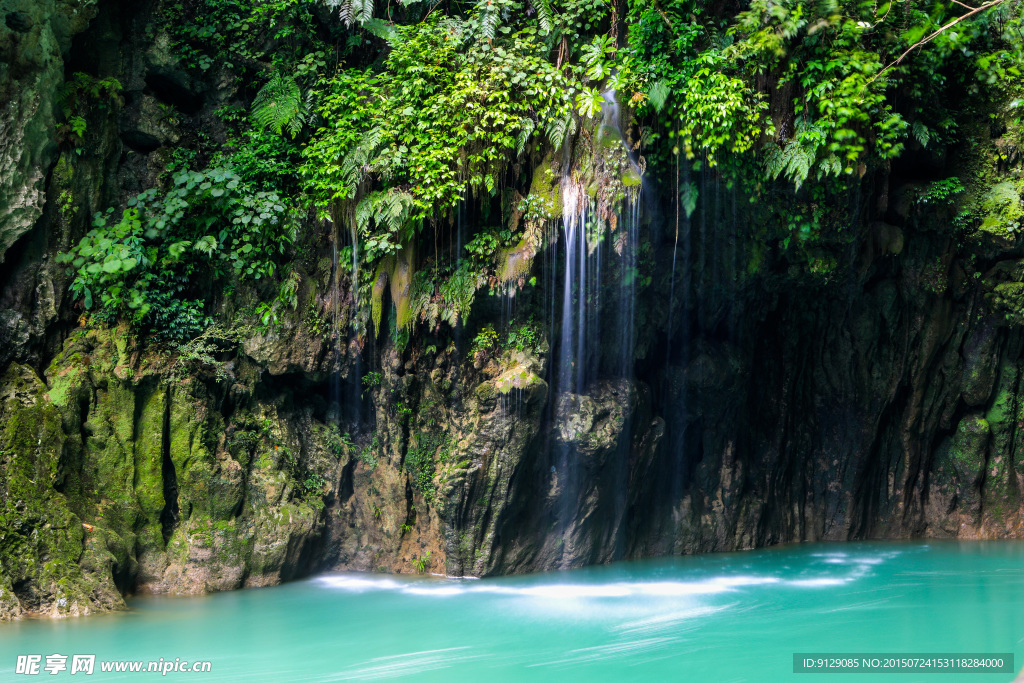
{"points": [[128, 267], [527, 335], [268, 314], [941, 191], [78, 97], [485, 341], [278, 105], [420, 463], [422, 563]]}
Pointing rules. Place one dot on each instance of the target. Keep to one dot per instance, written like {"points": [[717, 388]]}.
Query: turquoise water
{"points": [[722, 617]]}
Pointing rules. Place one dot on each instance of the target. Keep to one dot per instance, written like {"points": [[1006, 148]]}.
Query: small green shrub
{"points": [[527, 335], [206, 227], [421, 564], [485, 341]]}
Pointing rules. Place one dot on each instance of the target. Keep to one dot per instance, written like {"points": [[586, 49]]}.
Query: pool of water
{"points": [[716, 618]]}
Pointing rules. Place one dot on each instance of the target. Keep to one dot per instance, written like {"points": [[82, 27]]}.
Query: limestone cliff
{"points": [[725, 391]]}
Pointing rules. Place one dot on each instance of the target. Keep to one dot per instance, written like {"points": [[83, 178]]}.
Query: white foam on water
{"points": [[561, 591], [358, 584], [436, 591], [553, 593], [409, 664], [614, 650], [815, 583], [670, 620]]}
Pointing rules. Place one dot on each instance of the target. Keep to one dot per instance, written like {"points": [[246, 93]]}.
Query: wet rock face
{"points": [[50, 566], [34, 37], [112, 482]]}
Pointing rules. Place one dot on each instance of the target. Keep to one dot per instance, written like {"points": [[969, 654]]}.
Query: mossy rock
{"points": [[1003, 212], [961, 464], [631, 178], [41, 539], [1006, 300], [546, 187], [607, 137]]}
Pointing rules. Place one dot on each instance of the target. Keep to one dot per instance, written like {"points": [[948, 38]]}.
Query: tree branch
{"points": [[937, 33]]}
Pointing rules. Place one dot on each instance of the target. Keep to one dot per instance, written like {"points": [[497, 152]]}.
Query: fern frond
{"points": [[362, 10], [278, 105], [526, 128], [773, 164], [383, 30], [559, 129], [352, 11], [388, 210], [365, 210], [543, 8], [658, 94], [394, 209], [922, 133], [458, 293], [488, 14], [355, 164], [798, 161]]}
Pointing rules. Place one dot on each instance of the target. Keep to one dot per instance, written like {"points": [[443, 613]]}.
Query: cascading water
{"points": [[584, 232], [598, 312], [573, 341], [627, 246]]}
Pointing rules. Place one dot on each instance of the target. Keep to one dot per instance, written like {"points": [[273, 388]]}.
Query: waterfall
{"points": [[596, 335], [629, 224], [572, 343]]}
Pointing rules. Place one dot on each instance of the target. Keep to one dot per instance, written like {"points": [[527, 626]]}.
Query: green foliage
{"points": [[78, 97], [538, 208], [171, 317], [242, 36], [1002, 208], [588, 103], [278, 105], [719, 113], [485, 341], [525, 336], [206, 225], [268, 313], [682, 62], [314, 483], [352, 11], [262, 158], [199, 353], [399, 120], [422, 563], [941, 192], [389, 212], [83, 92], [420, 462], [483, 247], [457, 293], [451, 106], [368, 454]]}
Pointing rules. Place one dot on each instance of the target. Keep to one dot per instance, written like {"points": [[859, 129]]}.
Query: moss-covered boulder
{"points": [[42, 541]]}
